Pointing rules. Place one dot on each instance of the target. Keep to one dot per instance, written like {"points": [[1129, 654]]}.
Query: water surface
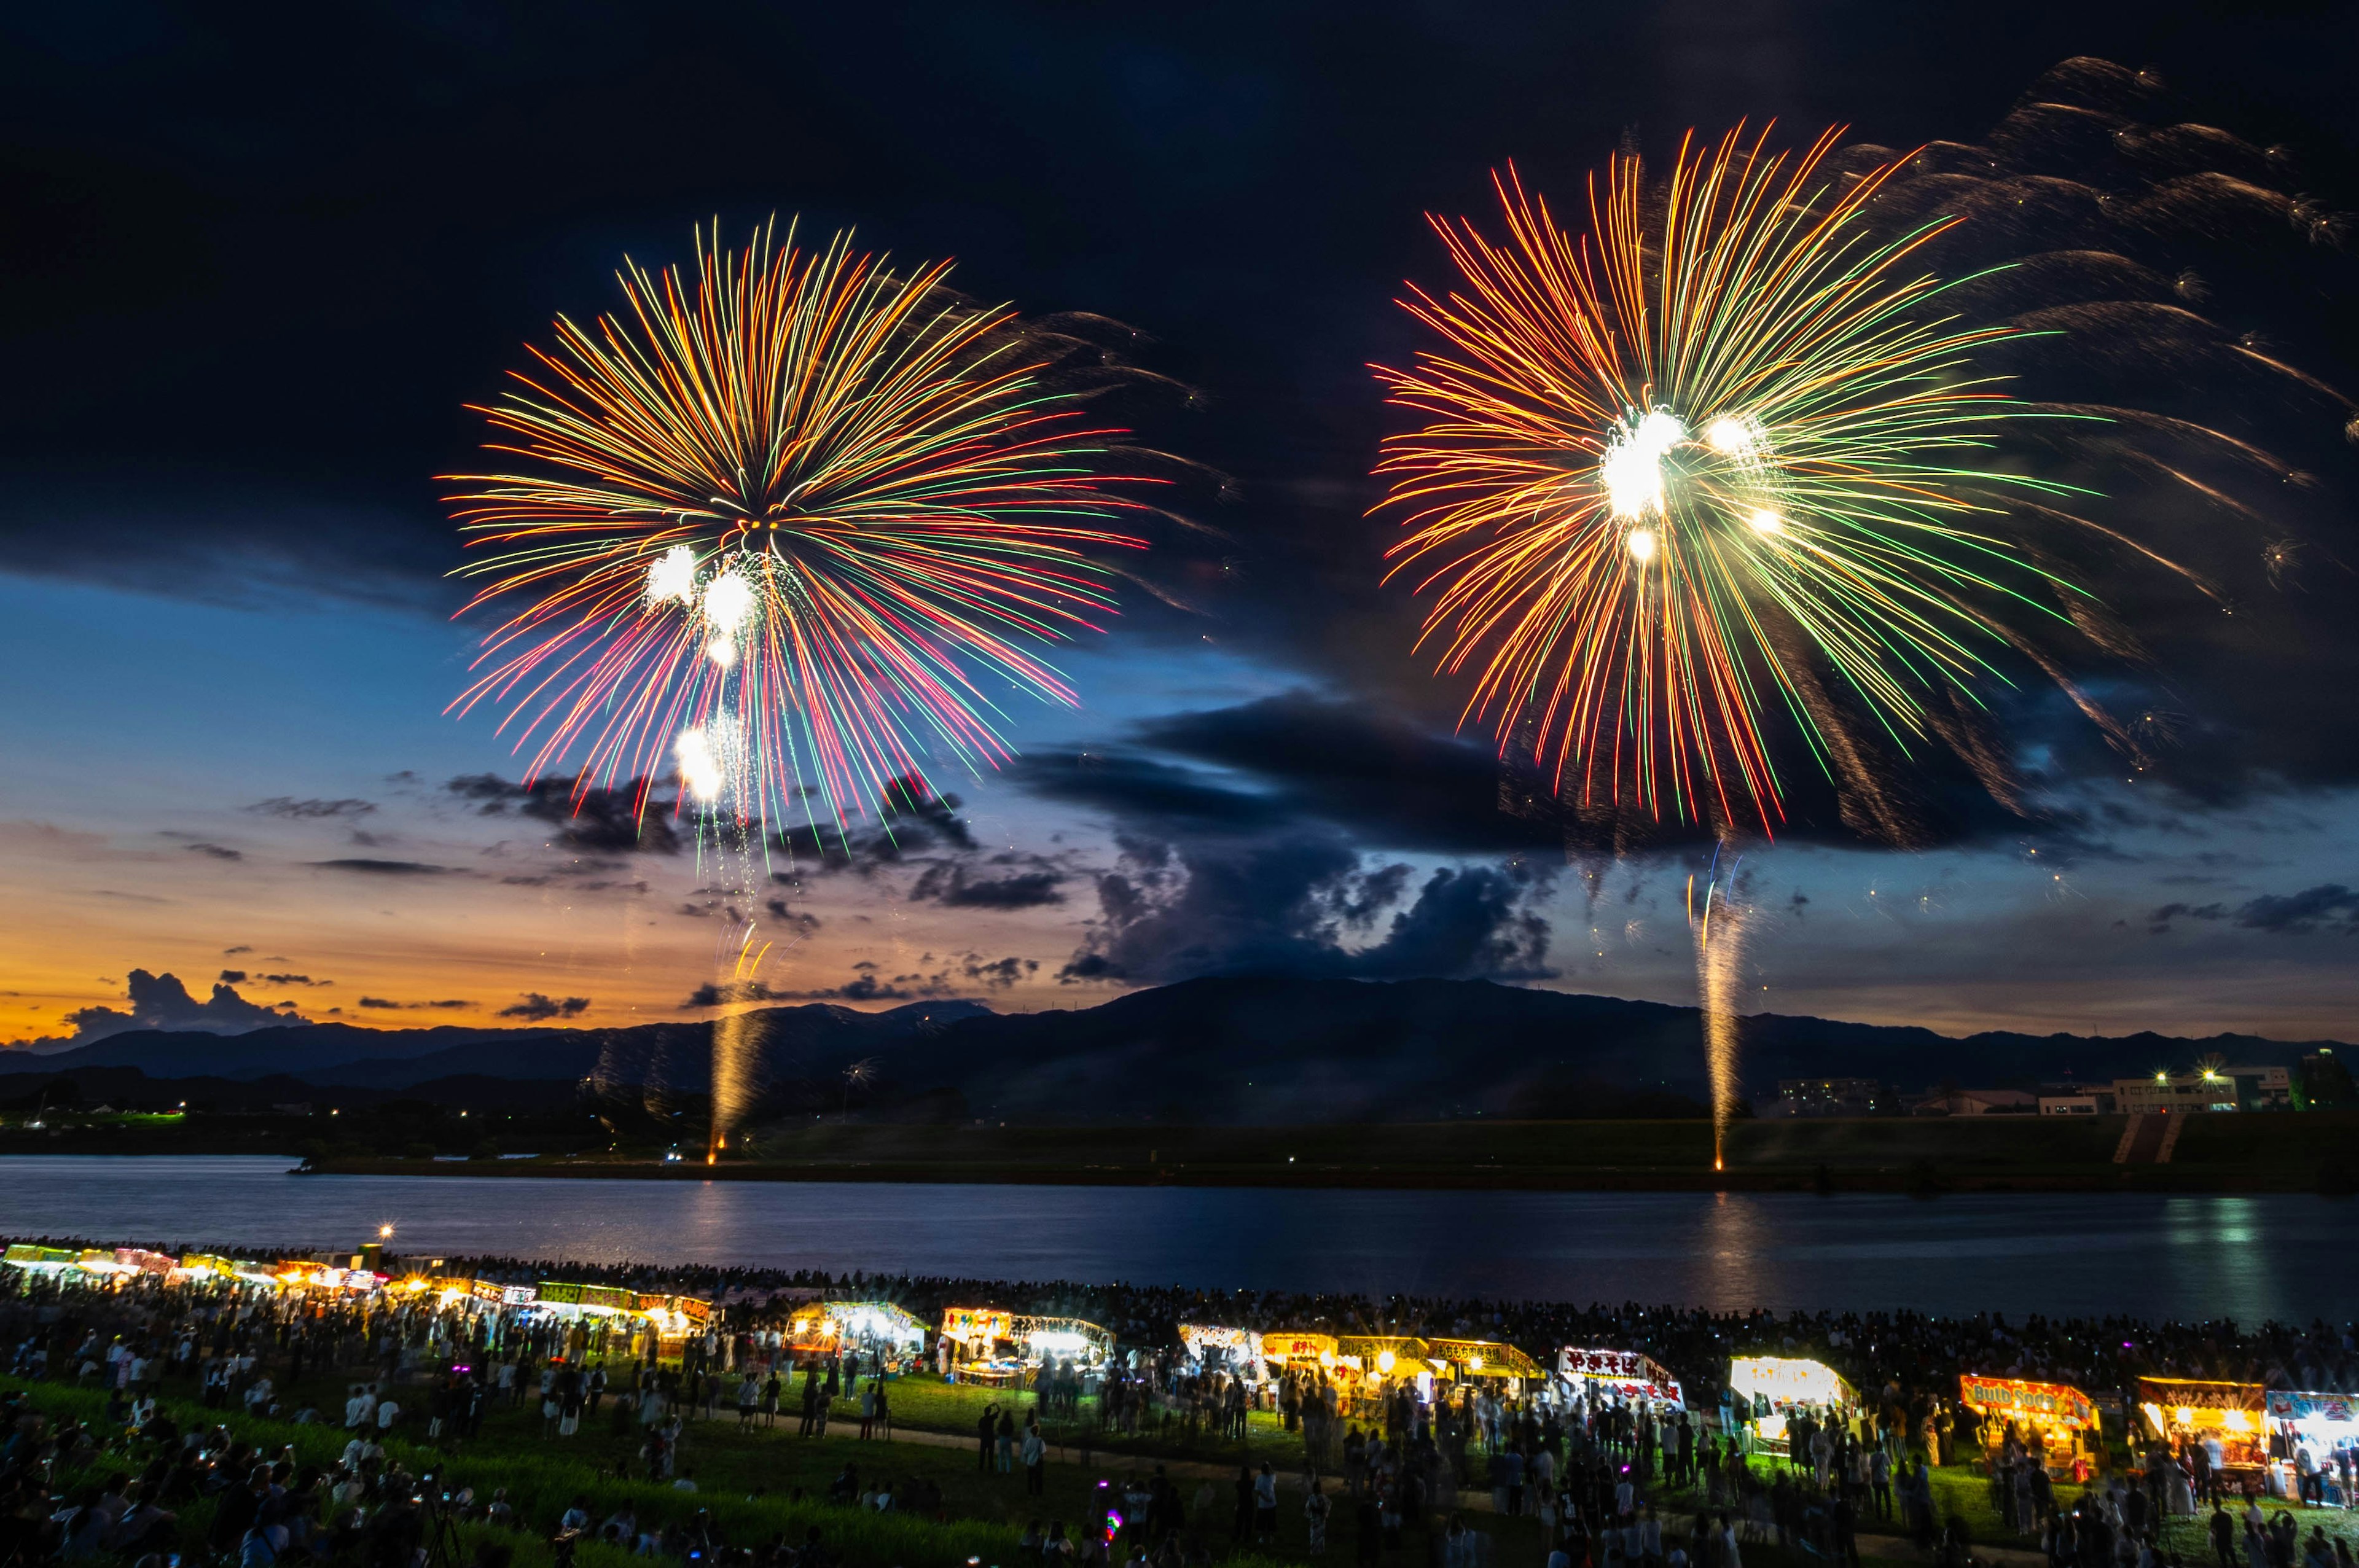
{"points": [[2282, 1256]]}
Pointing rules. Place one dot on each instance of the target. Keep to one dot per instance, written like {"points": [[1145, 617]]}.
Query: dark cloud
{"points": [[216, 851], [870, 984], [1173, 910], [802, 922], [234, 952], [713, 993], [537, 1008], [997, 974], [293, 980], [2329, 905], [914, 822], [379, 1003], [387, 868], [1388, 782], [312, 810], [162, 1001], [635, 819], [957, 884], [232, 977]]}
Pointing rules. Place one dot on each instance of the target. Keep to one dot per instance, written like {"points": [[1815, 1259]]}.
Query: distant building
{"points": [[1977, 1102], [2208, 1089], [2070, 1098], [2324, 1080], [1836, 1097]]}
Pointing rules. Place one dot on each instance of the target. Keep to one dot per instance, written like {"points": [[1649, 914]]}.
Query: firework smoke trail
{"points": [[1716, 925], [783, 529]]}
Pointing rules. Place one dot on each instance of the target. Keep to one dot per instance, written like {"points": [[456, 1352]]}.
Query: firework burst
{"points": [[789, 527], [1722, 455]]}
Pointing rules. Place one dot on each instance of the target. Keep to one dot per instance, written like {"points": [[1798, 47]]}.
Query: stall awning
{"points": [[1484, 1358], [1785, 1381], [2012, 1399]]}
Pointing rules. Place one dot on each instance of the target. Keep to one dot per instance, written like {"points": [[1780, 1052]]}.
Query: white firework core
{"points": [[1642, 545], [672, 576], [1632, 468], [700, 767], [728, 602], [1731, 436]]}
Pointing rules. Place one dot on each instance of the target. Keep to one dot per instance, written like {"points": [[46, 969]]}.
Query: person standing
{"points": [[986, 1428], [1266, 1505], [1035, 1455]]}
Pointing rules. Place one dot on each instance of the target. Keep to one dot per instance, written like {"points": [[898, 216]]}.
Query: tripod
{"points": [[438, 1535]]}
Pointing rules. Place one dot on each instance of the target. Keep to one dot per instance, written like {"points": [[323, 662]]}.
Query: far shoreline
{"points": [[1901, 1180]]}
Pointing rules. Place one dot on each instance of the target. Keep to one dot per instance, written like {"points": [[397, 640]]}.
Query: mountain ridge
{"points": [[1219, 1050]]}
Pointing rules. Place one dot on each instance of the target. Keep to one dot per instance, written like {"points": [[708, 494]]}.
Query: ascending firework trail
{"points": [[786, 528]]}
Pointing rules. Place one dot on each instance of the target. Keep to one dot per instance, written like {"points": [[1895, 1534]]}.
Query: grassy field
{"points": [[2303, 1151]]}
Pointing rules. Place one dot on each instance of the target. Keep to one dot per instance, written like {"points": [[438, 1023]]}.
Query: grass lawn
{"points": [[925, 1402]]}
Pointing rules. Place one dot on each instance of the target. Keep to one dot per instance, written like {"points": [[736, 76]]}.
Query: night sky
{"points": [[258, 260]]}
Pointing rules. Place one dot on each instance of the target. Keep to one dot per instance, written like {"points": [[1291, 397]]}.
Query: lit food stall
{"points": [[1466, 1359], [1769, 1388], [207, 1266], [2190, 1409], [2056, 1420], [2323, 1423], [1291, 1351], [95, 1263], [828, 1329], [988, 1345], [1619, 1374], [1236, 1351], [1369, 1364]]}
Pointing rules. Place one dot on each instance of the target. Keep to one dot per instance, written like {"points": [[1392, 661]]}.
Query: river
{"points": [[2283, 1256]]}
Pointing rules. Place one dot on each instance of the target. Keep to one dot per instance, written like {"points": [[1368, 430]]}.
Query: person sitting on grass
{"points": [[845, 1487]]}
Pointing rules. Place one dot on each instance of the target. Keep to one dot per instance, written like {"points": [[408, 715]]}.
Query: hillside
{"points": [[1208, 1051]]}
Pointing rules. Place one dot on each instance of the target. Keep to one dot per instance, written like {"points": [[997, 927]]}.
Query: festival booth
{"points": [[2188, 1409], [1291, 1351], [1239, 1352], [303, 1274], [1366, 1365], [96, 1263], [825, 1330], [654, 1327], [983, 1344], [1770, 1388], [2057, 1422], [2324, 1424], [1622, 1374], [1465, 1360]]}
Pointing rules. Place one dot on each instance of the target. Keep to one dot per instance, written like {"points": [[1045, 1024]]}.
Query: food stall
{"points": [[1236, 1351], [1463, 1360], [2230, 1416], [1769, 1388], [98, 1264], [1299, 1352], [983, 1344], [2323, 1424], [1366, 1365], [1619, 1374], [2057, 1422], [824, 1330]]}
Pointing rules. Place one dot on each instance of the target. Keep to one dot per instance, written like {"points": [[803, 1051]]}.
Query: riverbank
{"points": [[2226, 1154]]}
